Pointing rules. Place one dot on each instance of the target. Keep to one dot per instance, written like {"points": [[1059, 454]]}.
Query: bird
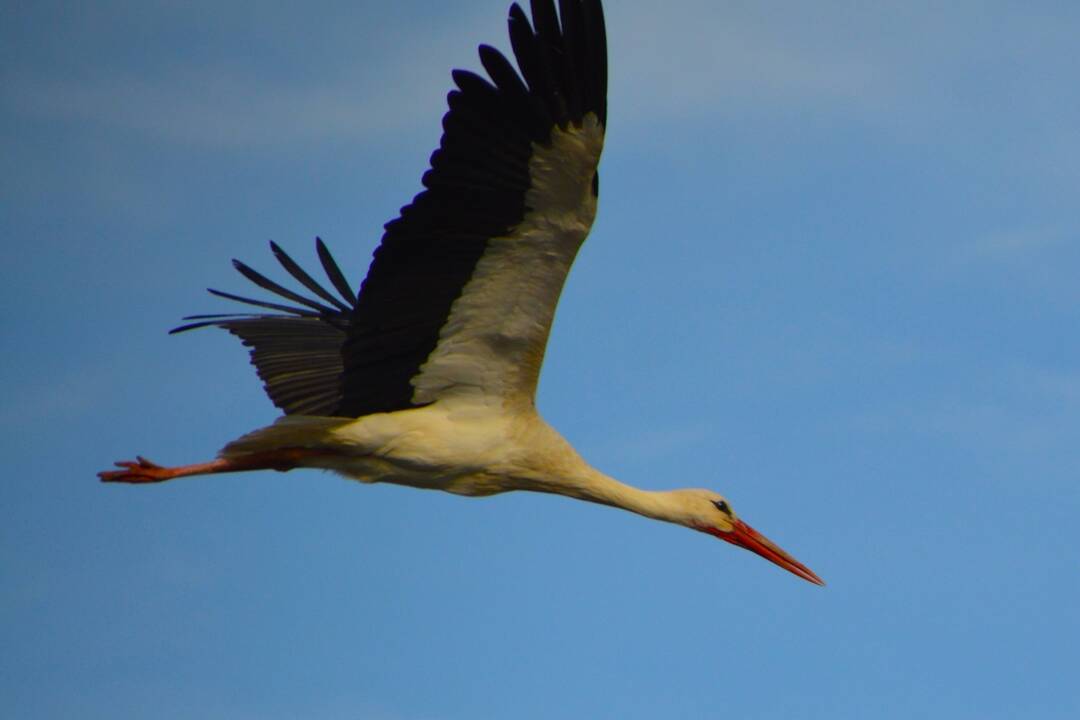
{"points": [[426, 377]]}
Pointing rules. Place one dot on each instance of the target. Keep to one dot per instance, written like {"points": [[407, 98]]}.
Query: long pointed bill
{"points": [[747, 537]]}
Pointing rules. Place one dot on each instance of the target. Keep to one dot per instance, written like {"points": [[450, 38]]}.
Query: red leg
{"points": [[142, 470]]}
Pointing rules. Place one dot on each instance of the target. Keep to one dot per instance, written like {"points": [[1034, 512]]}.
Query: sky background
{"points": [[834, 276]]}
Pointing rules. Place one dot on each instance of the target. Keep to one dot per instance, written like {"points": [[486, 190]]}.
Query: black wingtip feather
{"points": [[596, 78], [337, 278], [268, 284], [296, 353], [263, 304], [191, 326], [502, 73], [311, 308], [304, 279], [573, 55]]}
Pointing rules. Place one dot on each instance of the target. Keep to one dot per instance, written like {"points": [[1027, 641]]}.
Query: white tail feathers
{"points": [[301, 431]]}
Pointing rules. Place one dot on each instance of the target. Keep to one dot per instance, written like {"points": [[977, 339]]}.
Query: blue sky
{"points": [[834, 277]]}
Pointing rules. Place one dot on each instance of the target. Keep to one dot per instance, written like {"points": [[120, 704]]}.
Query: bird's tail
{"points": [[291, 431]]}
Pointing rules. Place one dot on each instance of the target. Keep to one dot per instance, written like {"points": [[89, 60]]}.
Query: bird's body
{"points": [[463, 447], [427, 376]]}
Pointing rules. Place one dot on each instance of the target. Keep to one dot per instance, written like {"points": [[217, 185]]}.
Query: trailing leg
{"points": [[141, 470]]}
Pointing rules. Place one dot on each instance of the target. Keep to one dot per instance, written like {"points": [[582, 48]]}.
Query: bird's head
{"points": [[711, 513]]}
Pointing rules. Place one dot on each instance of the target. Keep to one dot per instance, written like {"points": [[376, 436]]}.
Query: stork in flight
{"points": [[427, 376]]}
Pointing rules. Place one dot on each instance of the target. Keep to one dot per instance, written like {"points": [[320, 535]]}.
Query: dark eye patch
{"points": [[723, 507]]}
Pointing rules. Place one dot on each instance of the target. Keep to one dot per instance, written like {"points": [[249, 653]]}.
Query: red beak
{"points": [[747, 537]]}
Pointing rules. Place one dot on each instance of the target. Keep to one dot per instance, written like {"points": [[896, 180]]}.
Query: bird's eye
{"points": [[723, 507]]}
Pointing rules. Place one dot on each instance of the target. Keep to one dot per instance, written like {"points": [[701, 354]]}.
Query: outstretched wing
{"points": [[462, 290]]}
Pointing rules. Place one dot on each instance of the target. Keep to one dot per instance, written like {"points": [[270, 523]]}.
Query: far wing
{"points": [[461, 293]]}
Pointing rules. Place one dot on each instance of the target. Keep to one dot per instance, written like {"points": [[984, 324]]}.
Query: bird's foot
{"points": [[139, 470]]}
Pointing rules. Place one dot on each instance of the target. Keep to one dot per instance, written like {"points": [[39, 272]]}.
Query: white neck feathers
{"points": [[595, 486]]}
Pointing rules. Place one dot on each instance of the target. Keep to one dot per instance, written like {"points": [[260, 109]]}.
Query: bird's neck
{"points": [[594, 486]]}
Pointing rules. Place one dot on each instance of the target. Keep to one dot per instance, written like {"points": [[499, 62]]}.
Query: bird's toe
{"points": [[139, 470]]}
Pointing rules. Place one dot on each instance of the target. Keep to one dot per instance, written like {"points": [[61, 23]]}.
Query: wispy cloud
{"points": [[219, 108], [653, 443], [1008, 244], [694, 62], [221, 99], [1017, 408], [1055, 385], [907, 71], [695, 59], [71, 395]]}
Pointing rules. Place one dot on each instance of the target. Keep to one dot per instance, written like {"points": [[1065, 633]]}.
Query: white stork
{"points": [[427, 376]]}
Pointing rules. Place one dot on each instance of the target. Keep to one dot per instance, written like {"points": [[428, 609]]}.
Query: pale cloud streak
{"points": [[905, 71], [1009, 243], [219, 100], [696, 59], [684, 63], [220, 108]]}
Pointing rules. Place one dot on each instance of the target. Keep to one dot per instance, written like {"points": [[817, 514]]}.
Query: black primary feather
{"points": [[296, 354]]}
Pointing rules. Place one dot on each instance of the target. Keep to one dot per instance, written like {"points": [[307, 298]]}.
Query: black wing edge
{"points": [[474, 190], [297, 352], [562, 61]]}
